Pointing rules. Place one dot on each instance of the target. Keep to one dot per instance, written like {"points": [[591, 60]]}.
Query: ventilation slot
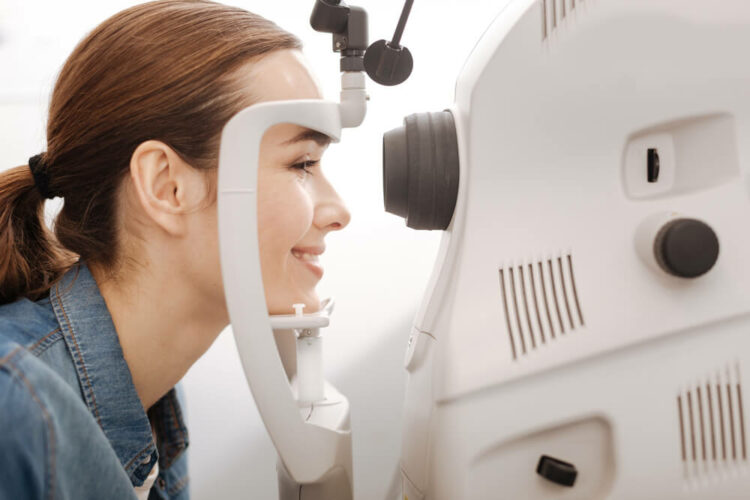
{"points": [[540, 301], [711, 419], [554, 12]]}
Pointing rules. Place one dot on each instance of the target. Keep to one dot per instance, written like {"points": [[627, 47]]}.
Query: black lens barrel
{"points": [[421, 170]]}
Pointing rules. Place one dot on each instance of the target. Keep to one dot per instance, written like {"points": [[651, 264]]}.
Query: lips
{"points": [[308, 256]]}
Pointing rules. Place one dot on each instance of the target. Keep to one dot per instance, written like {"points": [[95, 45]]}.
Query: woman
{"points": [[102, 319]]}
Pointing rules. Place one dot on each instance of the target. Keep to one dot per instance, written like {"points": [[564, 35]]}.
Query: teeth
{"points": [[305, 256]]}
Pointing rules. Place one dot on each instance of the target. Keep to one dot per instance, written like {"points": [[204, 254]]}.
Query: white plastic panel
{"points": [[551, 127]]}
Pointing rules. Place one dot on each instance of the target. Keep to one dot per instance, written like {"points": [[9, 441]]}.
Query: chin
{"points": [[312, 303], [284, 305]]}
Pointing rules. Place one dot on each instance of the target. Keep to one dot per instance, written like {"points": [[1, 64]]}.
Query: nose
{"points": [[330, 213]]}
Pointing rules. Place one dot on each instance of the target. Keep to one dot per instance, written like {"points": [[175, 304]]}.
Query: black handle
{"points": [[557, 471]]}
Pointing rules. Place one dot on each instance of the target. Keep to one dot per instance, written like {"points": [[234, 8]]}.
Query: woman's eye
{"points": [[305, 165]]}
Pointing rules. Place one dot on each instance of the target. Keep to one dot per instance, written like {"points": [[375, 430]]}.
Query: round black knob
{"points": [[686, 248], [386, 64]]}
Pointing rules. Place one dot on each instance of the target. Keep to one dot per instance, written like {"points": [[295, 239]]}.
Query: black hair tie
{"points": [[41, 176]]}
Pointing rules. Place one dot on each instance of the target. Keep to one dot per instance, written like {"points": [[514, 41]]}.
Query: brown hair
{"points": [[161, 70]]}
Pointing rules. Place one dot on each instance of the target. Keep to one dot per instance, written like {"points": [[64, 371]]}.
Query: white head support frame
{"points": [[307, 451]]}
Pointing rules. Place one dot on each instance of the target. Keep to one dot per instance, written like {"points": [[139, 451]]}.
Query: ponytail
{"points": [[31, 259]]}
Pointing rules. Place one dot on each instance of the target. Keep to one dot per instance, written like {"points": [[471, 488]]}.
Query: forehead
{"points": [[286, 135], [279, 76]]}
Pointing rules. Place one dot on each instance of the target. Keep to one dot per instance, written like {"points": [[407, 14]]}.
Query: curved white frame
{"points": [[307, 451]]}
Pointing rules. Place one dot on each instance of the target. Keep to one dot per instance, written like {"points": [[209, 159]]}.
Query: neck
{"points": [[163, 322]]}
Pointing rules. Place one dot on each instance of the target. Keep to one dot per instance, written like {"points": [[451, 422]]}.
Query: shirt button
{"points": [[146, 460]]}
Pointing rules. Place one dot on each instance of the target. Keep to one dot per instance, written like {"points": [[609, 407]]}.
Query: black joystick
{"points": [[388, 63], [686, 248]]}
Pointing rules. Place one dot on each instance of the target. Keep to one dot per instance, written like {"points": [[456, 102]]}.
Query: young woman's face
{"points": [[297, 206]]}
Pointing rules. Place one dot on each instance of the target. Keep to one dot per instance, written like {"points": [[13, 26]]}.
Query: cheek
{"points": [[285, 214]]}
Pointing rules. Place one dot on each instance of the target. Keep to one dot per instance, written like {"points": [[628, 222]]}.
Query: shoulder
{"points": [[32, 327], [48, 437], [26, 453], [29, 324]]}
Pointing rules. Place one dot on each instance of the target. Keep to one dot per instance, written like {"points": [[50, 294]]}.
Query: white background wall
{"points": [[377, 268]]}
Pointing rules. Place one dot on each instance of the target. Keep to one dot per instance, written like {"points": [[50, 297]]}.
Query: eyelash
{"points": [[305, 165]]}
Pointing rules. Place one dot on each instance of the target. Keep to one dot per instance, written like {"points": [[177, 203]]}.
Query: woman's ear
{"points": [[166, 187]]}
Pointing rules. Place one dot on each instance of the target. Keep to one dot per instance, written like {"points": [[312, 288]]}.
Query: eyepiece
{"points": [[421, 170]]}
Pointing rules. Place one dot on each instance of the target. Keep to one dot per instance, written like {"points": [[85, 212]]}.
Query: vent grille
{"points": [[712, 423], [554, 12], [540, 301]]}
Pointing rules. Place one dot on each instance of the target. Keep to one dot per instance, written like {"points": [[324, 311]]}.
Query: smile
{"points": [[310, 260]]}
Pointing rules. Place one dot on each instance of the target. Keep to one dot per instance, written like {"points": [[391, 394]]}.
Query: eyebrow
{"points": [[309, 135]]}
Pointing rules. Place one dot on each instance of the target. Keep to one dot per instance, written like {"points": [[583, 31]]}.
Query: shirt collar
{"points": [[105, 379]]}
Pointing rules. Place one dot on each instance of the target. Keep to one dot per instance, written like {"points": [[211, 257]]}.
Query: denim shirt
{"points": [[71, 423]]}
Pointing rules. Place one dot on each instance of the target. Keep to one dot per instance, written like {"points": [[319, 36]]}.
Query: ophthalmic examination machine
{"points": [[584, 333]]}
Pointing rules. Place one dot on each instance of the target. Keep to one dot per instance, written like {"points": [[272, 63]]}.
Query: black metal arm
{"points": [[387, 63]]}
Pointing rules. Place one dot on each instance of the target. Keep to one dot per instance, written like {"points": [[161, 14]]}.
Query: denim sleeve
{"points": [[26, 440]]}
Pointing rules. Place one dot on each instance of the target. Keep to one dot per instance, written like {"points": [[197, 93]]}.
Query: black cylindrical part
{"points": [[328, 16], [421, 170], [395, 172]]}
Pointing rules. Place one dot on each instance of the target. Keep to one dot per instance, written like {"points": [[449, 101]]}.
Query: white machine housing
{"points": [[547, 328]]}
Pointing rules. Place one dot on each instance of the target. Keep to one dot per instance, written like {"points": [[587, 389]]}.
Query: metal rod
{"points": [[395, 43]]}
